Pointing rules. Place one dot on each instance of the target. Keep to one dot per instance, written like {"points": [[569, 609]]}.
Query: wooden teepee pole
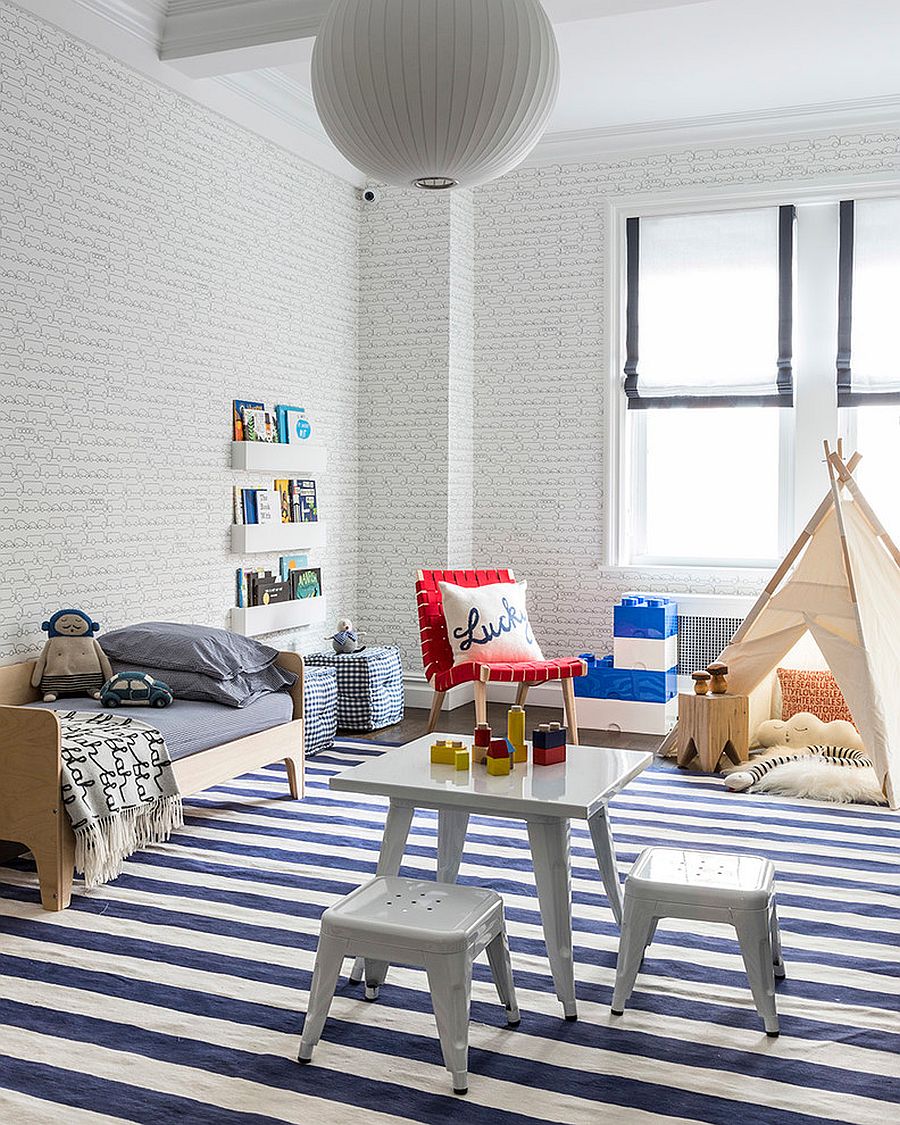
{"points": [[845, 476], [784, 566]]}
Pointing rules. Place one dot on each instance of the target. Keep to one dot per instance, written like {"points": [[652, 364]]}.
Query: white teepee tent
{"points": [[840, 583]]}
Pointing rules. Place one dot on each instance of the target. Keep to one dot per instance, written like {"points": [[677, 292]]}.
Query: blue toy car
{"points": [[135, 689]]}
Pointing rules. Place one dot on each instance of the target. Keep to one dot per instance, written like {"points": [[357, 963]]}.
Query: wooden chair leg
{"points": [[294, 767], [522, 694], [480, 701], [436, 704], [568, 690], [55, 859]]}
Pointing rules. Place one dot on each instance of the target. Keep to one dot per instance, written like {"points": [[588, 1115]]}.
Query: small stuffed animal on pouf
{"points": [[346, 639], [72, 662]]}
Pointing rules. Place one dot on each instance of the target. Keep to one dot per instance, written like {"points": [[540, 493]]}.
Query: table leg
{"points": [[452, 827], [393, 844], [605, 851], [549, 839]]}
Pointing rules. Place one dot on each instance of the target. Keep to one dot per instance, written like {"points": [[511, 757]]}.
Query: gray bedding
{"points": [[189, 726]]}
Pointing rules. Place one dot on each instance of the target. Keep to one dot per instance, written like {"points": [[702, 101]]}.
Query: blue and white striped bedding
{"points": [[177, 992]]}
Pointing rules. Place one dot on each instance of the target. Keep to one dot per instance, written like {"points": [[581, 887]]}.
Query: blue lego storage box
{"points": [[604, 681], [653, 618]]}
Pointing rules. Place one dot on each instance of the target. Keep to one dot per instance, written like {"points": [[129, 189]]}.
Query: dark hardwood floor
{"points": [[462, 721]]}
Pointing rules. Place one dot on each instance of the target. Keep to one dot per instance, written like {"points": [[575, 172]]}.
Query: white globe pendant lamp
{"points": [[435, 93]]}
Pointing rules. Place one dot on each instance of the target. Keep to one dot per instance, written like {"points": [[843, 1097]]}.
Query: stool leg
{"points": [[375, 972], [755, 937], [777, 958], [501, 968], [450, 981], [638, 928], [329, 958]]}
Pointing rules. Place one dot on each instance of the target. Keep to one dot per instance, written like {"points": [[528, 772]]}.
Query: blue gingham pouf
{"points": [[319, 708], [369, 686]]}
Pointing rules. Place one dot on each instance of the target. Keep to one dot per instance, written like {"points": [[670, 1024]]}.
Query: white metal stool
{"points": [[712, 887], [440, 927]]}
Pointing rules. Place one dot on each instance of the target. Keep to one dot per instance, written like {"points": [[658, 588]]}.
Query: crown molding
{"points": [[585, 144]]}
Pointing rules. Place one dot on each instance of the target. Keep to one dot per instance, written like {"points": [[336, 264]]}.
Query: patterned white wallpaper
{"points": [[541, 263], [155, 262]]}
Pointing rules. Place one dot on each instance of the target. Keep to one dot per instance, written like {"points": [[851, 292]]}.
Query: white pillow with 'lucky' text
{"points": [[489, 624]]}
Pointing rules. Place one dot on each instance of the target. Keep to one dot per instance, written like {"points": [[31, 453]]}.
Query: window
{"points": [[725, 315]]}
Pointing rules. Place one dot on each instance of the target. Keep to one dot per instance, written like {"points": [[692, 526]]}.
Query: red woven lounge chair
{"points": [[437, 654]]}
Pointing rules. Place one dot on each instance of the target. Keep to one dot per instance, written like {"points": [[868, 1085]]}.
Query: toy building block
{"points": [[461, 759], [499, 760], [605, 681], [645, 653], [626, 715], [443, 753], [652, 618], [548, 736], [549, 744], [515, 733], [482, 742]]}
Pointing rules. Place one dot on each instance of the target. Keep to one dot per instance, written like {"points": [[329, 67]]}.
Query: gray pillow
{"points": [[239, 691], [218, 653]]}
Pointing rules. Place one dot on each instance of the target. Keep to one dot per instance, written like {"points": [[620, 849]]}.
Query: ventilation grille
{"points": [[701, 639]]}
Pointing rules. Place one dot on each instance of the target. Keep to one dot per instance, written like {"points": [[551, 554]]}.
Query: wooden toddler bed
{"points": [[31, 810]]}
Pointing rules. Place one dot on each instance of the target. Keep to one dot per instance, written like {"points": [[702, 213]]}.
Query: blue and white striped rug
{"points": [[176, 994]]}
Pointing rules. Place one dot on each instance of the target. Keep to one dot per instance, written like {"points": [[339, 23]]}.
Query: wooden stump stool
{"points": [[710, 726]]}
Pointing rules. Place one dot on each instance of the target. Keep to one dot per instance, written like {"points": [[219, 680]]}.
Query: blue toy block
{"points": [[604, 681], [548, 739], [654, 618]]}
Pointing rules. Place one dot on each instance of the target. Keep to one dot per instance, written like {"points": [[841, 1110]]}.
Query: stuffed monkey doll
{"points": [[72, 662]]}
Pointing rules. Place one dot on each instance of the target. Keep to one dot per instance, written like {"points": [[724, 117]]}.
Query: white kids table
{"points": [[545, 797]]}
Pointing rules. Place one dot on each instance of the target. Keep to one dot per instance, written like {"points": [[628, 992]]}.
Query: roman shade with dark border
{"points": [[868, 351], [709, 312]]}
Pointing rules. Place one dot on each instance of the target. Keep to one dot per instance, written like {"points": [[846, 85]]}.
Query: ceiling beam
{"points": [[205, 38]]}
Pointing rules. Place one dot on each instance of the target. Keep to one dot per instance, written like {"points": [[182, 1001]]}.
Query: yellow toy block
{"points": [[498, 766], [444, 753], [461, 760]]}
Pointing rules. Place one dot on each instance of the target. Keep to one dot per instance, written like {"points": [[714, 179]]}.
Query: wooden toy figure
{"points": [[515, 732], [482, 743], [719, 684], [701, 682]]}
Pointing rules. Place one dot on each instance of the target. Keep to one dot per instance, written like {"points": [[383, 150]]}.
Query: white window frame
{"points": [[815, 415]]}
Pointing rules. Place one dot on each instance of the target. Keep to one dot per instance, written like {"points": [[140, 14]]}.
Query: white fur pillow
{"points": [[489, 624]]}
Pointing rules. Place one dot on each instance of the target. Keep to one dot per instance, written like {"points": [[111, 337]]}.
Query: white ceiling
{"points": [[635, 73]]}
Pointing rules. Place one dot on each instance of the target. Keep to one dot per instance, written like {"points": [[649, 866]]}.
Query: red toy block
{"points": [[548, 755]]}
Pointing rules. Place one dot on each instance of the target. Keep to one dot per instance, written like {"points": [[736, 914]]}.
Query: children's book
{"points": [[238, 505], [293, 426], [249, 503], [258, 425], [288, 563], [305, 491], [307, 583], [239, 406], [268, 506]]}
